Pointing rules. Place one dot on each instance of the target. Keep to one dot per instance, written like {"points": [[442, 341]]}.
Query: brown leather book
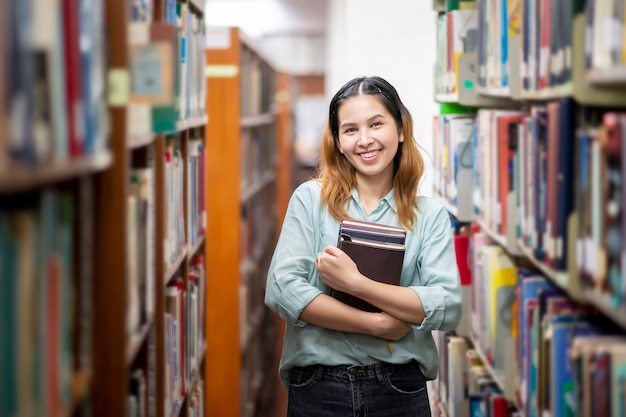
{"points": [[377, 250]]}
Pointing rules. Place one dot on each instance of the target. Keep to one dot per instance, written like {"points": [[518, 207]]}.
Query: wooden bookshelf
{"points": [[557, 224], [165, 246], [248, 185], [49, 176]]}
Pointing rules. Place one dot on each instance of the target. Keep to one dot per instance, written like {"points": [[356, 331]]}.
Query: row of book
{"points": [[174, 194], [524, 187], [465, 386], [184, 332], [196, 194], [174, 199], [140, 232], [53, 107], [258, 85], [139, 403], [167, 75], [530, 349], [192, 81], [453, 160], [605, 46], [544, 32], [44, 325], [141, 240], [258, 154], [457, 33]]}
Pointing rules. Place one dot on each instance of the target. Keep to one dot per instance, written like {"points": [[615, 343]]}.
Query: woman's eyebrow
{"points": [[345, 124]]}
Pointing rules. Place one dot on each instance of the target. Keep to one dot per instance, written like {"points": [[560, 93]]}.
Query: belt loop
{"points": [[378, 368], [318, 372]]}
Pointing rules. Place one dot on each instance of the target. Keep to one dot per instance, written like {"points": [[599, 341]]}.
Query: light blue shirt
{"points": [[293, 282]]}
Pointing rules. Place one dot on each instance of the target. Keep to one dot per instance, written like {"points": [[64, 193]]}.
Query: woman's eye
{"points": [[350, 130], [376, 124]]}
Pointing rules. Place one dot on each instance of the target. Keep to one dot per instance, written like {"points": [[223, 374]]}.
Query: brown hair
{"points": [[337, 175]]}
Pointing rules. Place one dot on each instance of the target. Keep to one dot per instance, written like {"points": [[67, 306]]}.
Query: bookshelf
{"points": [[149, 286], [547, 149], [48, 177], [247, 188]]}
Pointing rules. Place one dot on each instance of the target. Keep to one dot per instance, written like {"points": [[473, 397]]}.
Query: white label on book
{"points": [[609, 41], [544, 61], [498, 214], [547, 239], [138, 33], [589, 256], [579, 254], [140, 116], [556, 62], [559, 247]]}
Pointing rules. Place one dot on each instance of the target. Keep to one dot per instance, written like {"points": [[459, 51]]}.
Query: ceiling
{"points": [[262, 18]]}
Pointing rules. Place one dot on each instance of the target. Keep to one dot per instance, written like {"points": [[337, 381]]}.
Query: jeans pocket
{"points": [[407, 382], [302, 378]]}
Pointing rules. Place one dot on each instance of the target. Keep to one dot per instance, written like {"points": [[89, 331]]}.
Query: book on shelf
{"points": [[378, 251]]}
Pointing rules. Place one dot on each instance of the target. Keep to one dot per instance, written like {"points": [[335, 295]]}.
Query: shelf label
{"points": [[119, 86], [221, 71]]}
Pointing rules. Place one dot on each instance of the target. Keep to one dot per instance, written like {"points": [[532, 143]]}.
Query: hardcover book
{"points": [[377, 250]]}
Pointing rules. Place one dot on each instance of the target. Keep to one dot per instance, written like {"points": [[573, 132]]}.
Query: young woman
{"points": [[335, 360]]}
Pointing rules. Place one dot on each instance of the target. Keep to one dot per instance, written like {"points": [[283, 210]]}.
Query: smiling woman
{"points": [[337, 359]]}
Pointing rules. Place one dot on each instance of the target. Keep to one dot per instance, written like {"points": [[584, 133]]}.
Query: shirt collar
{"points": [[389, 199]]}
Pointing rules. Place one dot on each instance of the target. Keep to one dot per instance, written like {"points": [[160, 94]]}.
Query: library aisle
{"points": [[133, 261]]}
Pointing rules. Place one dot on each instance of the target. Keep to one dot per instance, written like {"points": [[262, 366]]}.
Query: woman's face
{"points": [[368, 136]]}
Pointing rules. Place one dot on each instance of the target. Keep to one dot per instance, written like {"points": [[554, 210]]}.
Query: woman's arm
{"points": [[325, 311], [340, 272]]}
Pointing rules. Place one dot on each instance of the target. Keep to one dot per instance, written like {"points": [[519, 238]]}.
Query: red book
{"points": [[461, 248], [53, 342], [508, 125], [73, 78], [499, 406]]}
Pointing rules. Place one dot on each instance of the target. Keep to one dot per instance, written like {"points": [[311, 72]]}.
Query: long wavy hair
{"points": [[338, 176]]}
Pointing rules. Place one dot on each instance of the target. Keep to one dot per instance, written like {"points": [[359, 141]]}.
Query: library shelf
{"points": [[21, 178], [154, 163], [246, 182], [574, 102]]}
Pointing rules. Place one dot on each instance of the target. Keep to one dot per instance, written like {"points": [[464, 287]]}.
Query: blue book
{"points": [[531, 285], [561, 388], [565, 189]]}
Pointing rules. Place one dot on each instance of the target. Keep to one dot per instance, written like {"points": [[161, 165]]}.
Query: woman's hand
{"points": [[337, 269]]}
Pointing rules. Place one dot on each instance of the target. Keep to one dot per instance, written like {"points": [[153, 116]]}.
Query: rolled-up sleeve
{"points": [[440, 288], [290, 287]]}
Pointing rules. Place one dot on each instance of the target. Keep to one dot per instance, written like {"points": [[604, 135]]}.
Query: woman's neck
{"points": [[371, 191]]}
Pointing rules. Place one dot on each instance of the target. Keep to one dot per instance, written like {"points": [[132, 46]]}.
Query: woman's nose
{"points": [[365, 138]]}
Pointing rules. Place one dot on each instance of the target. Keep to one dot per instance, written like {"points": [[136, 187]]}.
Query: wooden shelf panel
{"points": [[137, 340], [258, 120], [139, 141], [196, 246], [191, 123], [175, 266], [18, 179]]}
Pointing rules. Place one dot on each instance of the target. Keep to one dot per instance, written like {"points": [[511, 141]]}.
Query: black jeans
{"points": [[377, 390]]}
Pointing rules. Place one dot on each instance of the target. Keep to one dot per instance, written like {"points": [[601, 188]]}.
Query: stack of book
{"points": [[377, 250]]}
